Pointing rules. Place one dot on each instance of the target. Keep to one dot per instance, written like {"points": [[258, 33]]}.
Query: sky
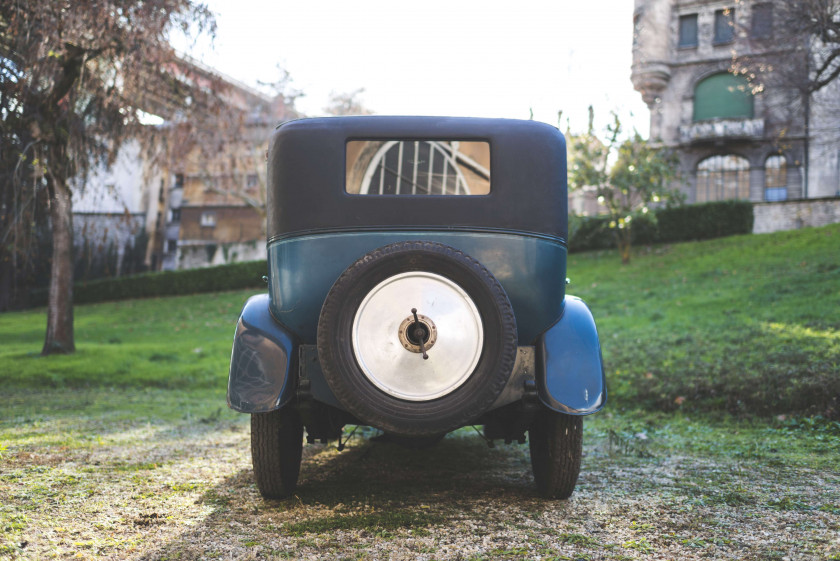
{"points": [[438, 57]]}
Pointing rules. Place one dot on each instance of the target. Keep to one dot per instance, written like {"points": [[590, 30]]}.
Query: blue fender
{"points": [[569, 367], [262, 362]]}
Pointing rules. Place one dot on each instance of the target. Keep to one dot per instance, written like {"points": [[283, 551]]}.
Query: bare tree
{"points": [[347, 103], [792, 44], [791, 49], [228, 151], [75, 75]]}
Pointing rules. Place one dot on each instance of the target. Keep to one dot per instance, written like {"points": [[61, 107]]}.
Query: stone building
{"points": [[732, 143], [211, 206], [194, 195]]}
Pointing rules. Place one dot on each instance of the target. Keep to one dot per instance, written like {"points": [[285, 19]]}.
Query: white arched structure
{"points": [[419, 167]]}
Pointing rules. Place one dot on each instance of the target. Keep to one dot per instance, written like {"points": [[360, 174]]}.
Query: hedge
{"points": [[693, 222], [677, 224], [705, 221], [235, 276]]}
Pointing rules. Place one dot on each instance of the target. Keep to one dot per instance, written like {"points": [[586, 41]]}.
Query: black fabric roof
{"points": [[306, 176]]}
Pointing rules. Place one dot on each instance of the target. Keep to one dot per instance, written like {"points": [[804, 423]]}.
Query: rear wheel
{"points": [[276, 446], [556, 443]]}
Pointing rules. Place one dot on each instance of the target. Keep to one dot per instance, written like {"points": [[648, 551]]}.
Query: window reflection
{"points": [[418, 167]]}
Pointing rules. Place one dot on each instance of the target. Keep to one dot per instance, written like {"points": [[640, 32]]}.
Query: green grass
{"points": [[177, 342], [379, 522], [742, 324], [775, 443], [747, 324]]}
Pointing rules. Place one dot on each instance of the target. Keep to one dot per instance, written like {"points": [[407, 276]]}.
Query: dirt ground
{"points": [[185, 491]]}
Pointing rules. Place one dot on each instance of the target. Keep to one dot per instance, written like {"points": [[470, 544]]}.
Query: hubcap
{"points": [[386, 337]]}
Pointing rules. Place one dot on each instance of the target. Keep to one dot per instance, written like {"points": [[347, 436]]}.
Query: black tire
{"points": [[276, 446], [556, 443], [373, 406]]}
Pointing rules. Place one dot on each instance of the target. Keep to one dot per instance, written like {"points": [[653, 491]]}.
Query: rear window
{"points": [[418, 167]]}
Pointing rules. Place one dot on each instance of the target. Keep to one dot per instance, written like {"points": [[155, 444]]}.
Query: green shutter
{"points": [[723, 96]]}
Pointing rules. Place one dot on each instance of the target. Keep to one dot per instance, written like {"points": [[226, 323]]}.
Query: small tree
{"points": [[74, 77], [628, 175]]}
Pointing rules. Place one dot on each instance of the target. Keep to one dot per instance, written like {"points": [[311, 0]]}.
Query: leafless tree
{"points": [[790, 44], [74, 76], [347, 103], [791, 49], [228, 151]]}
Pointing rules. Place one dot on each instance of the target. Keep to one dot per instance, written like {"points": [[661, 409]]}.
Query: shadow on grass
{"points": [[374, 491]]}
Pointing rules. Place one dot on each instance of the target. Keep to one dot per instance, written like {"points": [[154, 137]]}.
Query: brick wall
{"points": [[792, 215]]}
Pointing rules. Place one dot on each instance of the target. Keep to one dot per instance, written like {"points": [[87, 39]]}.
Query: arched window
{"points": [[723, 96], [723, 177], [775, 179]]}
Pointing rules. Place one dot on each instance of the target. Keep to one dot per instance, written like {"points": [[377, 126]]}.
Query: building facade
{"points": [[112, 211], [733, 142], [211, 204]]}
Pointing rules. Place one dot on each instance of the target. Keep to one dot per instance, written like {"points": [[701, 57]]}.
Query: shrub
{"points": [[167, 283], [676, 224], [705, 221], [587, 233]]}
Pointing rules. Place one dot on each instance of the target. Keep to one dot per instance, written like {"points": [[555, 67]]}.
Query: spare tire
{"points": [[402, 302]]}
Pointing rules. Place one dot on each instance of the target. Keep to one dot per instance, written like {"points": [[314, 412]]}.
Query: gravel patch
{"points": [[185, 491]]}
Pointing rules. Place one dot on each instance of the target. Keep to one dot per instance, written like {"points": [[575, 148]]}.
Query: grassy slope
{"points": [[99, 457], [747, 323], [742, 323], [175, 342]]}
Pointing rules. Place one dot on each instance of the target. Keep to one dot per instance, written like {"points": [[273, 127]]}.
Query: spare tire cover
{"points": [[402, 302]]}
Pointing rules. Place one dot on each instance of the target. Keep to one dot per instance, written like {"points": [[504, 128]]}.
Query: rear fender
{"points": [[262, 362], [569, 367]]}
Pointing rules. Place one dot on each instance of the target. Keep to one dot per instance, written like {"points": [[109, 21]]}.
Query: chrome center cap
{"points": [[386, 342], [409, 337]]}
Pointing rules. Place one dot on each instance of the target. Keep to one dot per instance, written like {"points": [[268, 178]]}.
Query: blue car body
{"points": [[556, 332]]}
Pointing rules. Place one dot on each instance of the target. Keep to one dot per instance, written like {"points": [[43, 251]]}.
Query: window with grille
{"points": [[775, 179], [722, 178], [418, 167]]}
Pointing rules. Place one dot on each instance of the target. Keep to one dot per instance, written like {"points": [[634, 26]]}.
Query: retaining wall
{"points": [[792, 215]]}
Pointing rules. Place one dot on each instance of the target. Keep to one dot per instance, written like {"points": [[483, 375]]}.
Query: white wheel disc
{"points": [[402, 372]]}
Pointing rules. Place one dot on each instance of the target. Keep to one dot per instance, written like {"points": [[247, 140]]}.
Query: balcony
{"points": [[722, 129]]}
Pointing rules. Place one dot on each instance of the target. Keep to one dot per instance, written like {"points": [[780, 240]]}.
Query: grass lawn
{"points": [[179, 342], [746, 324], [126, 450]]}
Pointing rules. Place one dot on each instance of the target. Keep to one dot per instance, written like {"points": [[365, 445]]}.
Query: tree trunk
{"points": [[59, 338], [624, 244]]}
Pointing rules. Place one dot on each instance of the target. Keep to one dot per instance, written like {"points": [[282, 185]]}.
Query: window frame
{"points": [[775, 178], [724, 20], [208, 219], [710, 86], [444, 153], [681, 42], [762, 29]]}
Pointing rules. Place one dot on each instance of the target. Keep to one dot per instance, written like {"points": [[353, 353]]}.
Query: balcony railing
{"points": [[723, 128]]}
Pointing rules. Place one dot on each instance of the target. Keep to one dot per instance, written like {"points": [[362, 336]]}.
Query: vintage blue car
{"points": [[416, 274]]}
